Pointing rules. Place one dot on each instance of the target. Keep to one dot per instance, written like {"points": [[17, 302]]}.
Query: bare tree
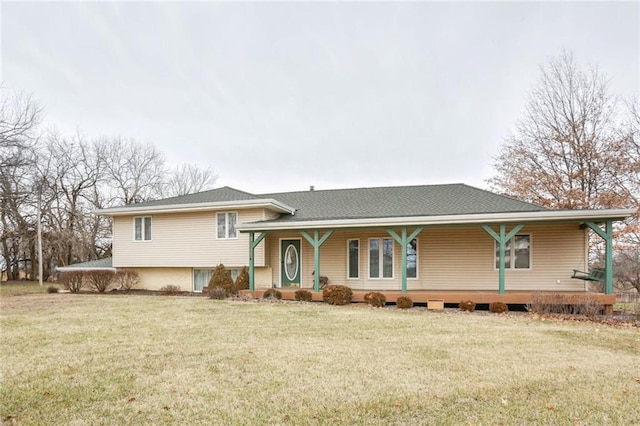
{"points": [[573, 149], [19, 118], [566, 148], [72, 169], [135, 171], [189, 178]]}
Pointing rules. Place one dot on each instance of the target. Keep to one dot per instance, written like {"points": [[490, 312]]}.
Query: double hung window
{"points": [[517, 253], [142, 228], [381, 258], [227, 223]]}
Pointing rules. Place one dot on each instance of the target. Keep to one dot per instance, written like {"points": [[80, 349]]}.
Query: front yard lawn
{"points": [[114, 359]]}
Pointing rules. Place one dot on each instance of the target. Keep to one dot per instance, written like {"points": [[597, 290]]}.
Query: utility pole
{"points": [[41, 185]]}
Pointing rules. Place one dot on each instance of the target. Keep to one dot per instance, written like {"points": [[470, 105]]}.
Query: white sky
{"points": [[280, 96]]}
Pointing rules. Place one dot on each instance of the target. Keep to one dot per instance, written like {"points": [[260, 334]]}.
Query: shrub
{"points": [[52, 289], [242, 280], [549, 303], [337, 294], [467, 305], [99, 280], [272, 293], [303, 296], [72, 280], [126, 279], [375, 299], [170, 290], [498, 307], [404, 302], [586, 305], [218, 293], [222, 278]]}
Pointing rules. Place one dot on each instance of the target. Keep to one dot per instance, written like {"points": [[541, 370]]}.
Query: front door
{"points": [[290, 263]]}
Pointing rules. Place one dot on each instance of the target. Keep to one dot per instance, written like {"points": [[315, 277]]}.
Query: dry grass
{"points": [[106, 359]]}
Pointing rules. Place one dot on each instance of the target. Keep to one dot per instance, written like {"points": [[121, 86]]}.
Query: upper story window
{"points": [[227, 223], [142, 228], [517, 253]]}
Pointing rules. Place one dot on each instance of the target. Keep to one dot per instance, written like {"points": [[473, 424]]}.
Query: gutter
{"points": [[194, 207]]}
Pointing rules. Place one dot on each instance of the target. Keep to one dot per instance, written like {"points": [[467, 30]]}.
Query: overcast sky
{"points": [[280, 96]]}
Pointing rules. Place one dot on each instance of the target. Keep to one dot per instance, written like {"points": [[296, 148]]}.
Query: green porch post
{"points": [[316, 242], [253, 243], [502, 239], [403, 241], [607, 236]]}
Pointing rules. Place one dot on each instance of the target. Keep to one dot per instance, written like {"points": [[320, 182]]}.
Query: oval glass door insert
{"points": [[291, 262]]}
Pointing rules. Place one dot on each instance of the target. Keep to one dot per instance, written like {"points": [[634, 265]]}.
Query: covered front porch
{"points": [[445, 259]]}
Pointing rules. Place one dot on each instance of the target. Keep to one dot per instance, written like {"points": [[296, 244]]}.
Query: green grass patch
{"points": [[116, 359], [22, 288]]}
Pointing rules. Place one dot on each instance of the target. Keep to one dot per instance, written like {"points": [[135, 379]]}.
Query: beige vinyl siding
{"points": [[454, 258], [156, 278], [184, 240]]}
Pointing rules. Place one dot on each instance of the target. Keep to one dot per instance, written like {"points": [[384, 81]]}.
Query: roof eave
{"points": [[268, 203], [85, 268], [483, 218]]}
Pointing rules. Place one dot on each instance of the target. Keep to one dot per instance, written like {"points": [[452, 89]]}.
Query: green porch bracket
{"points": [[253, 243], [316, 242], [502, 238], [403, 241], [607, 236]]}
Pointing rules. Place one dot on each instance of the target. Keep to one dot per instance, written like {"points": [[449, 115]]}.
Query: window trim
{"points": [[381, 258], [512, 253], [226, 225], [349, 277], [143, 232]]}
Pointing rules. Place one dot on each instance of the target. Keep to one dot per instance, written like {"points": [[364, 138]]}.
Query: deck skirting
{"points": [[479, 297]]}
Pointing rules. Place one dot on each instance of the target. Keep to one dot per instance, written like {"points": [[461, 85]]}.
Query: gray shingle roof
{"points": [[92, 264], [214, 195], [399, 201], [360, 203]]}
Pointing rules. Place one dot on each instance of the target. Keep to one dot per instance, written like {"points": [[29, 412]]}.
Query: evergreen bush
{"points": [[498, 307], [337, 295], [221, 278], [404, 302], [375, 299], [467, 305], [272, 293], [242, 280], [303, 296]]}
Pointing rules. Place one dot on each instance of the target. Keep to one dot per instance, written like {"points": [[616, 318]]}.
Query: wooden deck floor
{"points": [[422, 296]]}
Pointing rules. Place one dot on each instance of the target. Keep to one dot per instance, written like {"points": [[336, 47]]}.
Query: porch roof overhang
{"points": [[442, 220], [268, 203]]}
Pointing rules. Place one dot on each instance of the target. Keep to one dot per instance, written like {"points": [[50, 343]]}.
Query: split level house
{"points": [[446, 241]]}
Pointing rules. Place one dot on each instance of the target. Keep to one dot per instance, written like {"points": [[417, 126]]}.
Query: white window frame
{"points": [[143, 232], [512, 254], [226, 225], [349, 277], [381, 259], [417, 260], [234, 275]]}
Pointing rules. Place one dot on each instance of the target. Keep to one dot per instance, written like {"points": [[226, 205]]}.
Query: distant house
{"points": [[439, 238]]}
